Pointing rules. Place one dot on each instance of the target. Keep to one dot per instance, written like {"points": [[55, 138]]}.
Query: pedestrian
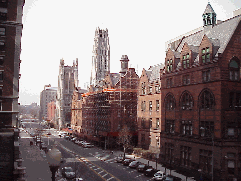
{"points": [[112, 152]]}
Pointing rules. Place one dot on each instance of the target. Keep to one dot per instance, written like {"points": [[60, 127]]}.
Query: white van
{"points": [[159, 175]]}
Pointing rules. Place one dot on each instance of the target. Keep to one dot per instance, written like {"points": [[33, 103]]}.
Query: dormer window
{"points": [[206, 55], [186, 61], [169, 65]]}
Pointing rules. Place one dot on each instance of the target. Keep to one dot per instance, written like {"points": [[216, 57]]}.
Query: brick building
{"points": [[46, 96], [148, 110], [10, 49], [76, 111], [200, 133], [106, 109]]}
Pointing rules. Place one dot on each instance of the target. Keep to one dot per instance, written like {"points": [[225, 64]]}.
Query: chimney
{"points": [[124, 64]]}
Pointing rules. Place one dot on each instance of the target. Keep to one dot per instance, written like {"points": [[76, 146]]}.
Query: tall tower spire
{"points": [[101, 56], [209, 16]]}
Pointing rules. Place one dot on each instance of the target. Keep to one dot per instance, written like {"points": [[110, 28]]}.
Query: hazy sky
{"points": [[55, 29]]}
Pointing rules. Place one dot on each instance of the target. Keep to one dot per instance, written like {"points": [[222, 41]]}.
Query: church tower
{"points": [[101, 56], [209, 16]]}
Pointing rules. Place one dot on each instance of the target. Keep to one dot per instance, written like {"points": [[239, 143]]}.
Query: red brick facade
{"points": [[201, 101]]}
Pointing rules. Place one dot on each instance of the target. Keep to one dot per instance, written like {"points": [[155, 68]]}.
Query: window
{"points": [[143, 123], [157, 123], [2, 31], [157, 105], [186, 157], [231, 163], [205, 160], [143, 88], [170, 102], [206, 76], [150, 122], [157, 89], [205, 55], [1, 75], [1, 105], [3, 16], [185, 61], [150, 89], [186, 128], [169, 65], [1, 91], [186, 79], [206, 129], [234, 69], [169, 152], [170, 126], [143, 105], [235, 100], [186, 101], [150, 105], [206, 100]]}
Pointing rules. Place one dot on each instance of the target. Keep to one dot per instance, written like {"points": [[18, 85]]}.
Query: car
{"points": [[106, 157], [73, 139], [68, 172], [171, 178], [150, 172], [159, 175], [143, 167], [134, 164], [48, 133], [88, 145], [127, 161], [119, 159]]}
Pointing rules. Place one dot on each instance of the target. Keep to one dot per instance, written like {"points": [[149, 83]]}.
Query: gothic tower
{"points": [[101, 56]]}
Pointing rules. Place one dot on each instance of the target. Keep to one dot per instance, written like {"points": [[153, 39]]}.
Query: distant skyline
{"points": [[55, 29]]}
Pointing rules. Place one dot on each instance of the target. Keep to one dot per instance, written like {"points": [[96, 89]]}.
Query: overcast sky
{"points": [[55, 29]]}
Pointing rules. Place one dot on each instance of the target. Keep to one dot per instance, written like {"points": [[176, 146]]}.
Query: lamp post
{"points": [[54, 158]]}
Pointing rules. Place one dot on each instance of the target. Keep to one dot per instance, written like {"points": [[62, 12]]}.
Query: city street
{"points": [[83, 160]]}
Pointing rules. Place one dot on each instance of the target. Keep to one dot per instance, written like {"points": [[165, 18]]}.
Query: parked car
{"points": [[171, 178], [143, 167], [119, 159], [106, 157], [134, 164], [73, 139], [150, 172], [88, 145], [68, 172], [159, 175], [127, 161]]}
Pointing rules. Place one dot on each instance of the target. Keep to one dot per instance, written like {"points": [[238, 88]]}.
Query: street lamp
{"points": [[54, 159]]}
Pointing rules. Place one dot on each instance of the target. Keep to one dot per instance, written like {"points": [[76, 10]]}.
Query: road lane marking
{"points": [[100, 171], [109, 178], [104, 175]]}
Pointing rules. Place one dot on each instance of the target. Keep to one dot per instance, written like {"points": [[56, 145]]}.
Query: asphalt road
{"points": [[85, 162]]}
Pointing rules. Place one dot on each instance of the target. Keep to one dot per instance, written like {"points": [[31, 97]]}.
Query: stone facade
{"points": [[101, 57], [67, 81], [200, 123]]}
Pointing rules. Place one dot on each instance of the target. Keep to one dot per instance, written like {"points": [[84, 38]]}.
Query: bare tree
{"points": [[124, 138]]}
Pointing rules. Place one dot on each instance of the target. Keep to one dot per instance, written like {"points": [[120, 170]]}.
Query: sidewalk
{"points": [[34, 160], [153, 164]]}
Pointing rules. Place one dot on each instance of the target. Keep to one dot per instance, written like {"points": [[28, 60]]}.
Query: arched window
{"points": [[206, 100], [170, 102], [234, 69], [186, 101]]}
